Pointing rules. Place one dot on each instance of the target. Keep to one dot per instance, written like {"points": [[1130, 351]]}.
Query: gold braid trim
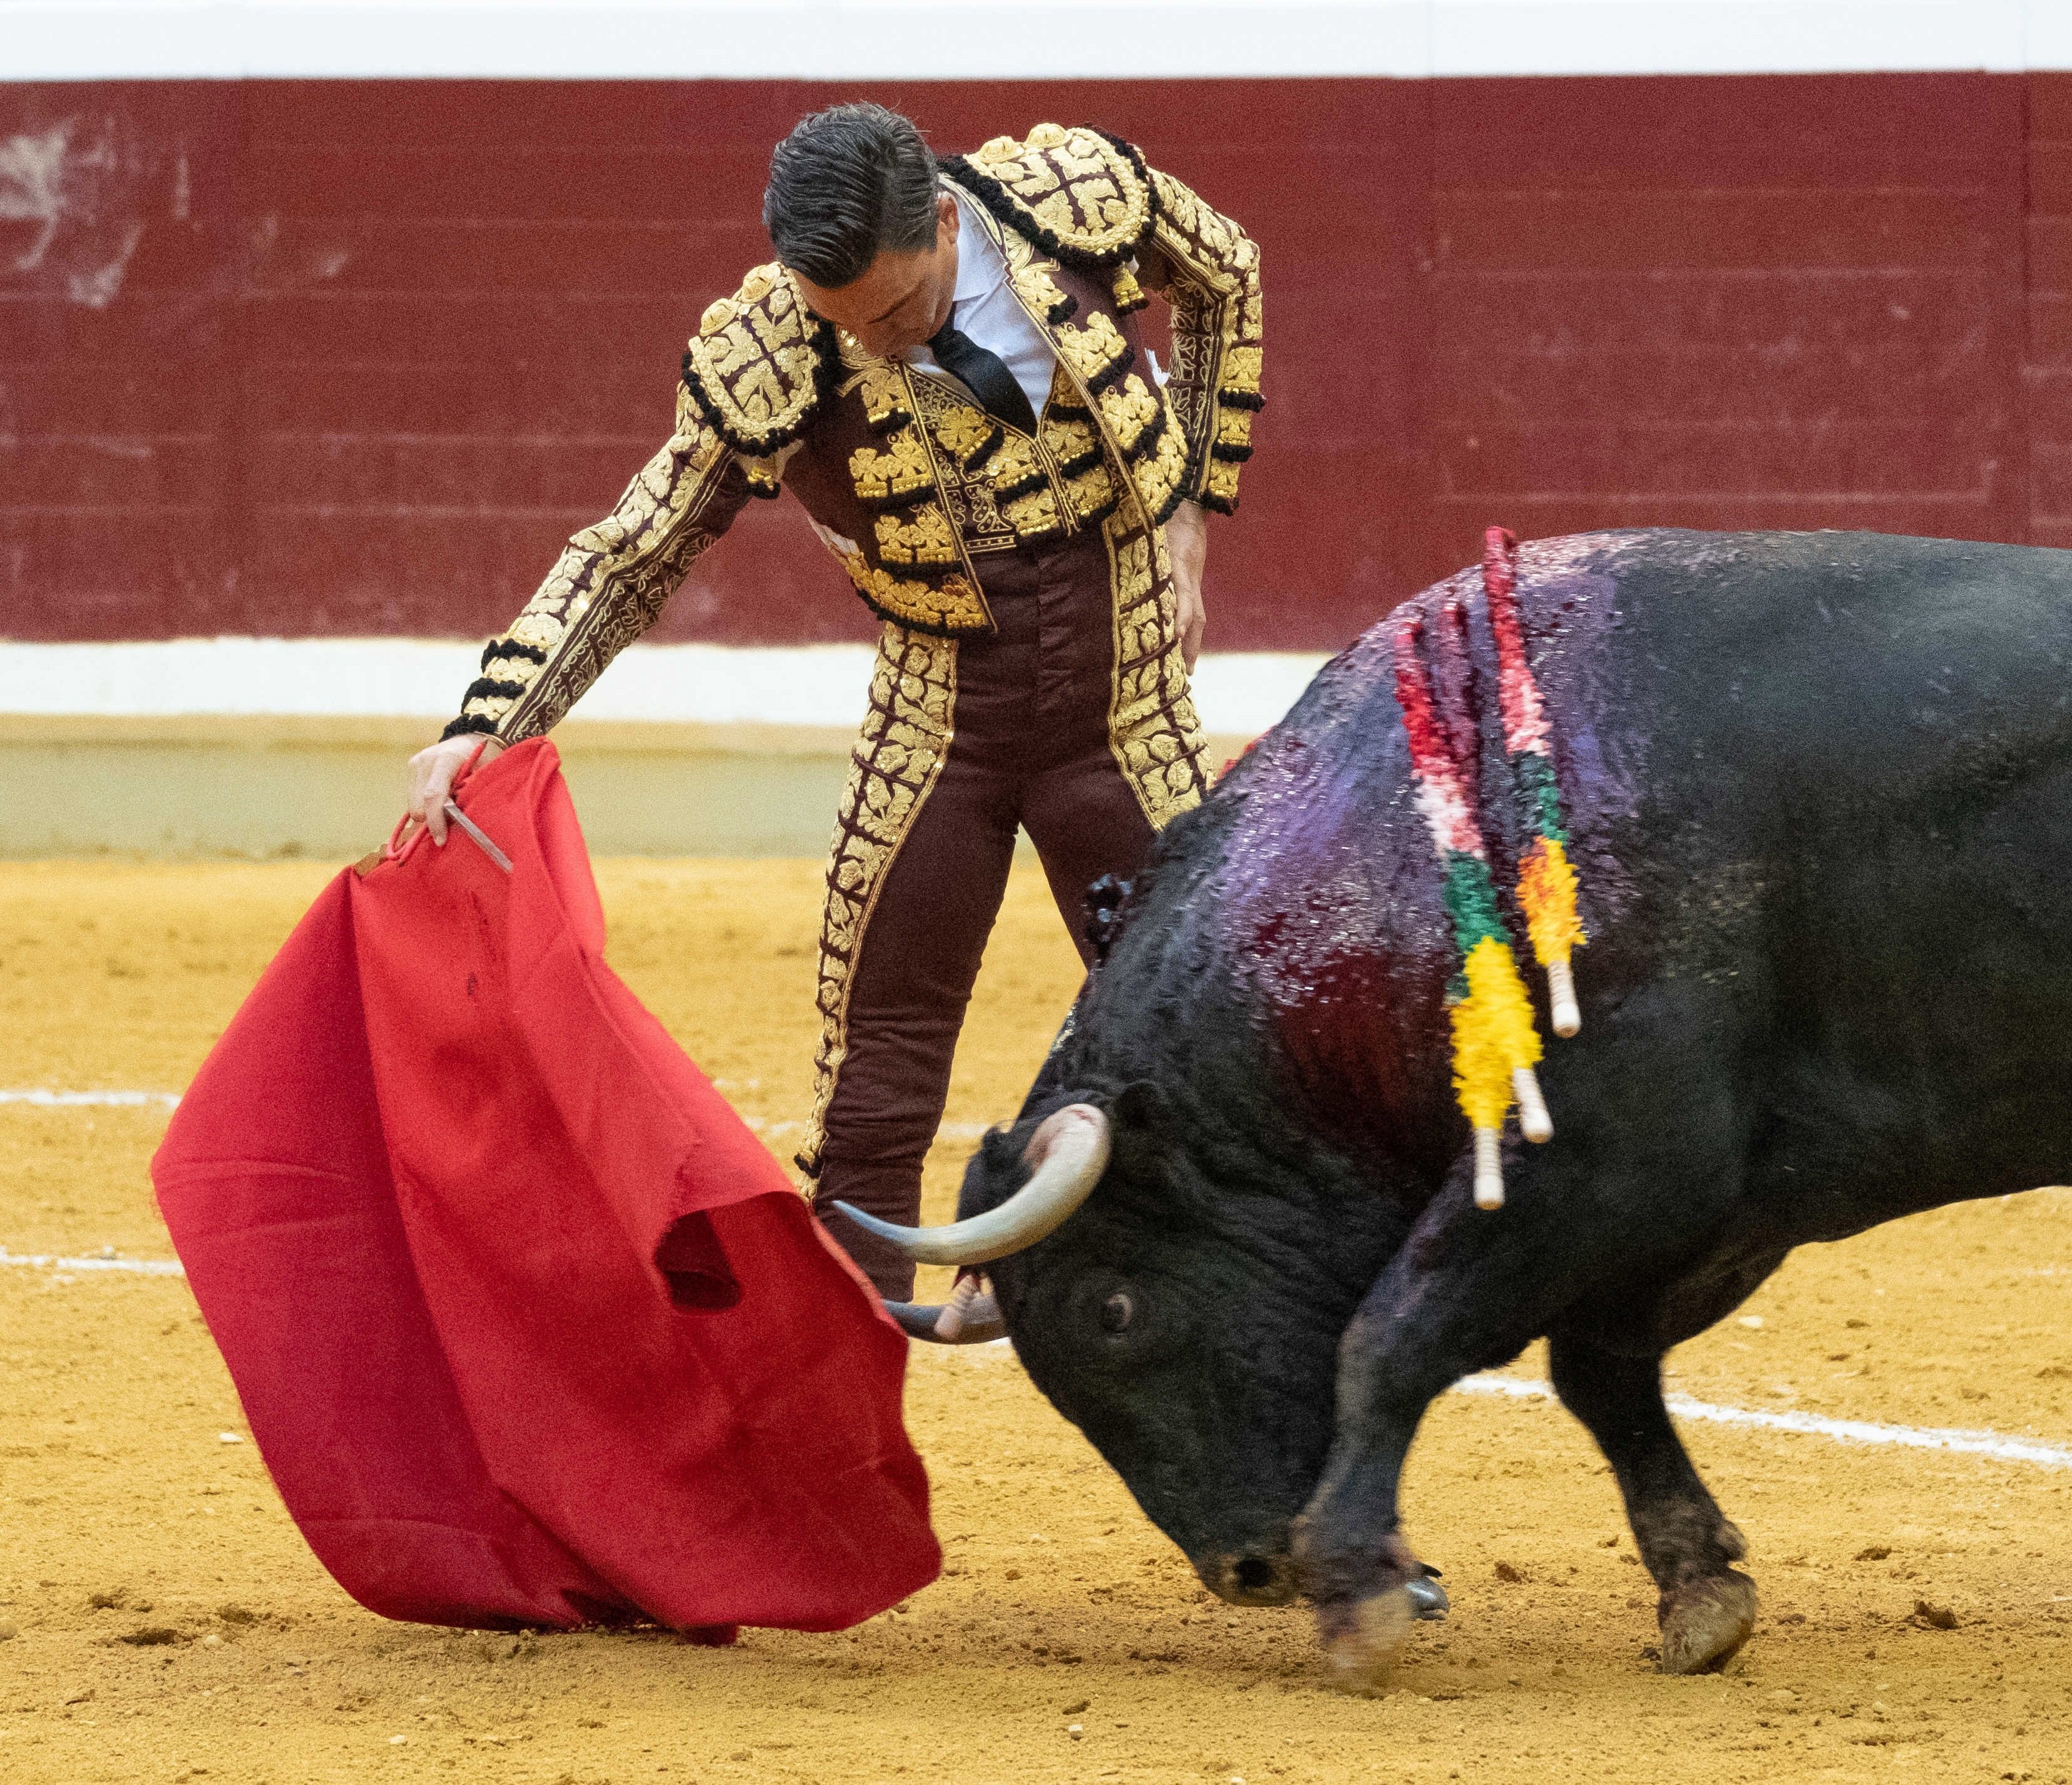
{"points": [[885, 400], [1038, 292], [901, 473], [1034, 515], [1097, 354], [966, 433], [1160, 473], [1014, 468], [1070, 438], [1153, 730], [1092, 493], [1131, 412], [760, 363], [919, 534], [893, 768], [1078, 193], [1207, 268], [949, 605], [608, 586]]}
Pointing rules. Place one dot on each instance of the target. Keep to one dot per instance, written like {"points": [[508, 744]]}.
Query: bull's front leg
{"points": [[1707, 1607], [1470, 1288]]}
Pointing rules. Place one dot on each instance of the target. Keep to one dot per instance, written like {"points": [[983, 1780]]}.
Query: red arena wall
{"points": [[353, 357]]}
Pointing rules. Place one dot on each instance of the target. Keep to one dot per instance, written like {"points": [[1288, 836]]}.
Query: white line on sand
{"points": [[1842, 1431], [1514, 1388], [141, 1267]]}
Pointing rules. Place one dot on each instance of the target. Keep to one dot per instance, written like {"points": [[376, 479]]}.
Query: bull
{"points": [[1818, 790]]}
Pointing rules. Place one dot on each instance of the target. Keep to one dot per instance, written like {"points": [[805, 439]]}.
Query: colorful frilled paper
{"points": [[1496, 1042]]}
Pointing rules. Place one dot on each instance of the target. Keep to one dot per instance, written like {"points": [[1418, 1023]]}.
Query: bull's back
{"points": [[1818, 790]]}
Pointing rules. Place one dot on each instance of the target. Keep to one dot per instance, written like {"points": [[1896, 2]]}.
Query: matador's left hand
{"points": [[1187, 545]]}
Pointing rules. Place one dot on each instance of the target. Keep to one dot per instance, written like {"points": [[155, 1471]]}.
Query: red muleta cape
{"points": [[528, 1326]]}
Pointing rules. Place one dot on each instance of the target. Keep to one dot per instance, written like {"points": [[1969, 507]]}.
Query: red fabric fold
{"points": [[529, 1326]]}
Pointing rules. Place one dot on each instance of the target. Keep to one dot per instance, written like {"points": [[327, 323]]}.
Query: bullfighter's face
{"points": [[1197, 1353], [899, 301]]}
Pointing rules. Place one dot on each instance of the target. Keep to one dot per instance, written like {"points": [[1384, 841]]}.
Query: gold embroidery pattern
{"points": [[1153, 730], [921, 535], [608, 586], [1092, 494], [952, 605], [1208, 269], [966, 433], [1241, 370], [1084, 196], [966, 491], [899, 473], [758, 364], [1014, 469], [1069, 438], [1097, 354], [1130, 410], [1160, 473], [884, 393], [1128, 294], [1034, 516], [1220, 491], [893, 768], [1036, 289]]}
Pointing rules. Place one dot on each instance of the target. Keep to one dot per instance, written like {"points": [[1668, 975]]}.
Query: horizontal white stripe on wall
{"points": [[1031, 39], [1236, 692]]}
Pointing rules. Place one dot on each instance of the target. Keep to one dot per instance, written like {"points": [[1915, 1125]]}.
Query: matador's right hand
{"points": [[432, 771]]}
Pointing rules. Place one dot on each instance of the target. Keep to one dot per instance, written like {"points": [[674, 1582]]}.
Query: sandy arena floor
{"points": [[161, 1620]]}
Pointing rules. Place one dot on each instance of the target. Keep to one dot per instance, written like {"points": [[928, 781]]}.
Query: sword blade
{"points": [[479, 835]]}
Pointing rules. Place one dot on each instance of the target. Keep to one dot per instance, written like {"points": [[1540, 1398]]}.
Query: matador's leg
{"points": [[920, 863], [1128, 753], [1085, 821]]}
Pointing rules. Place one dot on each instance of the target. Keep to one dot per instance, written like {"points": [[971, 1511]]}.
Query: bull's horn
{"points": [[981, 1322], [1069, 1150]]}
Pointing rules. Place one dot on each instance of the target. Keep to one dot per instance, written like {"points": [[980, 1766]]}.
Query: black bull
{"points": [[1819, 787]]}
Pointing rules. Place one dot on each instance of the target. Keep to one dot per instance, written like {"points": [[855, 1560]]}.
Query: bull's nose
{"points": [[1256, 1577]]}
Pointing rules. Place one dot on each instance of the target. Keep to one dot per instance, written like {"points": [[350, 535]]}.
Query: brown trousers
{"points": [[1029, 748]]}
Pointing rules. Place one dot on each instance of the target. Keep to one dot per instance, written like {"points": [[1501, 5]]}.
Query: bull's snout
{"points": [[1252, 1577]]}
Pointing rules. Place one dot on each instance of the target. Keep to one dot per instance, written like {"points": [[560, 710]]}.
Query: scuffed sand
{"points": [[169, 1624]]}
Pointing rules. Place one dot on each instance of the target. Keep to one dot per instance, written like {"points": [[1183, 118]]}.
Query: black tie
{"points": [[984, 374]]}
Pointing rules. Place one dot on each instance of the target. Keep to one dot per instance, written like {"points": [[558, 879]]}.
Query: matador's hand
{"points": [[432, 771], [1187, 545]]}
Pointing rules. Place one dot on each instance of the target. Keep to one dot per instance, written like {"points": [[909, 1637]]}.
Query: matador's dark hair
{"points": [[847, 182]]}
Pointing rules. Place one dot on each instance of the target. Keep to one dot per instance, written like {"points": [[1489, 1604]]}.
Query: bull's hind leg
{"points": [[1707, 1607]]}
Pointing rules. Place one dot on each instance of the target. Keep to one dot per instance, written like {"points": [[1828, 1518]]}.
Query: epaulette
{"points": [[1079, 194], [760, 364]]}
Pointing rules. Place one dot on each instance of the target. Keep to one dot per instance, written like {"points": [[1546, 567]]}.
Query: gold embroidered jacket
{"points": [[916, 482]]}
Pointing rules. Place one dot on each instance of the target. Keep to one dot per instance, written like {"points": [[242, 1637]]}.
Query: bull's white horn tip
{"points": [[1533, 1119], [1561, 995], [1489, 1169], [950, 1323]]}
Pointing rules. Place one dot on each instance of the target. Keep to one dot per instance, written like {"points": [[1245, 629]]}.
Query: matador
{"points": [[944, 366]]}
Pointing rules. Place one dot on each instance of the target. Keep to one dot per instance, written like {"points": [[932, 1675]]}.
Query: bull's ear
{"points": [[1140, 1107]]}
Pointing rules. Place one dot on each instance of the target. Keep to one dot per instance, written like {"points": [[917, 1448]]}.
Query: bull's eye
{"points": [[1116, 1312]]}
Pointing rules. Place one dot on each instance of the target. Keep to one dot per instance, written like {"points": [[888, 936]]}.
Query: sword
{"points": [[479, 835]]}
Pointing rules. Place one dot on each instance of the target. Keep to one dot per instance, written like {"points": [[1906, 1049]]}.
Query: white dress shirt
{"points": [[984, 307]]}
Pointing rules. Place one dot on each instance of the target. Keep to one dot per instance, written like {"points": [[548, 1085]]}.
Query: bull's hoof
{"points": [[1704, 1624], [1362, 1638], [1428, 1598]]}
